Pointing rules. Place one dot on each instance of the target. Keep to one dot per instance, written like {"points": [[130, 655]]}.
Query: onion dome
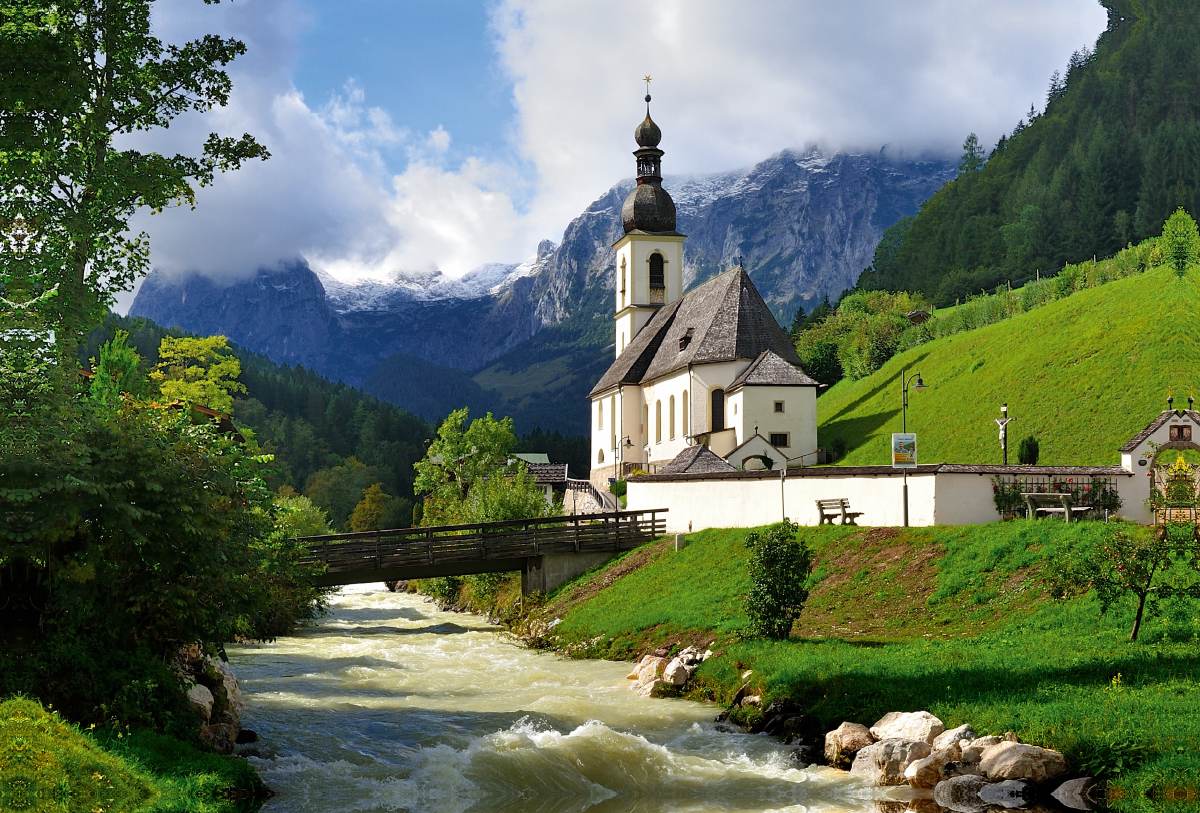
{"points": [[648, 207]]}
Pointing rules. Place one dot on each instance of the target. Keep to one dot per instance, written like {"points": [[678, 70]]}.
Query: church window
{"points": [[717, 415], [687, 427], [671, 419], [780, 440], [646, 424], [600, 415], [622, 282], [779, 406], [600, 456], [658, 421], [612, 421], [657, 276]]}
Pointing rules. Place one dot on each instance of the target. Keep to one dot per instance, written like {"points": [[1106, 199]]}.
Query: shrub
{"points": [[779, 566], [1029, 451]]}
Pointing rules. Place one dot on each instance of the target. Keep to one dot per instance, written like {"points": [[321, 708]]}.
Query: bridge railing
{"points": [[509, 540]]}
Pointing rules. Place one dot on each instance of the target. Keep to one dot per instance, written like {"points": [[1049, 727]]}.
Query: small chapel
{"points": [[703, 381]]}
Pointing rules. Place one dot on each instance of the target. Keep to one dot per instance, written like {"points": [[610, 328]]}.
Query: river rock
{"points": [[974, 751], [912, 725], [961, 794], [229, 680], [844, 742], [925, 774], [956, 735], [884, 762], [676, 673], [637, 667], [220, 737], [1010, 793], [1075, 793], [202, 701], [651, 669], [1012, 760]]}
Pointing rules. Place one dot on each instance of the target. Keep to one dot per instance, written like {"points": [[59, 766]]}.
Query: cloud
{"points": [[733, 83]]}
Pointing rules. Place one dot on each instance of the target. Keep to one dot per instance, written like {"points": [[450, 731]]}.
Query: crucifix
{"points": [[1003, 423]]}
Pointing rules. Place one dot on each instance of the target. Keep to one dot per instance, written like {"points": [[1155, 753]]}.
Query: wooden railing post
{"points": [[429, 544], [576, 521]]}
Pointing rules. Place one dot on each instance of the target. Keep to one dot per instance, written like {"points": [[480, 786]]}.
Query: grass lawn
{"points": [[954, 620], [1084, 374]]}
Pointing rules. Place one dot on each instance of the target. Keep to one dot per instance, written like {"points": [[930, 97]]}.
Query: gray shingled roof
{"points": [[771, 370], [548, 474], [696, 460], [725, 319], [1157, 423]]}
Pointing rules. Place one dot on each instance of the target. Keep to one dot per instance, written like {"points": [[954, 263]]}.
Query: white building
{"points": [[710, 367]]}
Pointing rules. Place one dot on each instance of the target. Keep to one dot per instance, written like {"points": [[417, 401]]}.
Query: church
{"points": [[703, 381]]}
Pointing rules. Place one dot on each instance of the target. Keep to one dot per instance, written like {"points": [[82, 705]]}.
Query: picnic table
{"points": [[1041, 502]]}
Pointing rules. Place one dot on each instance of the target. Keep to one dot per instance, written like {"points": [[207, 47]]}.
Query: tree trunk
{"points": [[1137, 620]]}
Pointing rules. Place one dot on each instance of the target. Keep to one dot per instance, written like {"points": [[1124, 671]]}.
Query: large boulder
{"points": [[651, 670], [925, 774], [220, 737], [844, 742], [1010, 793], [676, 673], [202, 701], [963, 732], [229, 680], [961, 794], [884, 762], [974, 751], [1012, 760], [911, 725]]}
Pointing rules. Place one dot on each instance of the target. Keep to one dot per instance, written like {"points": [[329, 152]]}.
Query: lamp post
{"points": [[905, 382]]}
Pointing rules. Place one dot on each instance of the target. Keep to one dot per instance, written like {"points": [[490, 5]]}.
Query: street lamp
{"points": [[905, 383]]}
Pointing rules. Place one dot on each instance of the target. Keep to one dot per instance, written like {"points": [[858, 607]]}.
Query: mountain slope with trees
{"points": [[1110, 158]]}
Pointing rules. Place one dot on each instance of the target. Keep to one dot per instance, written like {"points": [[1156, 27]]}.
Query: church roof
{"points": [[696, 460], [769, 370], [1157, 423], [725, 319]]}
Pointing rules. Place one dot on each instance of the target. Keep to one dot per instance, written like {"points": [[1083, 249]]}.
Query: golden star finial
{"points": [[647, 80]]}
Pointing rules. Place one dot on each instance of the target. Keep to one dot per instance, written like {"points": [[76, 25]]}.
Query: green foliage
{"points": [[297, 516], [779, 566], [972, 158], [1028, 451], [1084, 374], [198, 371], [117, 370], [341, 488], [863, 333], [1106, 163], [380, 510], [1180, 242], [1131, 562]]}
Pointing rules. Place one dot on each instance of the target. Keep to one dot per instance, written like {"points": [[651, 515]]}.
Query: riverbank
{"points": [[955, 621]]}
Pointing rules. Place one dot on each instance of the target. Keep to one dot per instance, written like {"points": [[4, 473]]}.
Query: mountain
{"points": [[805, 224], [1108, 161]]}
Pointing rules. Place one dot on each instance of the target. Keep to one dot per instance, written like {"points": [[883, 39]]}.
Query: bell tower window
{"points": [[657, 275]]}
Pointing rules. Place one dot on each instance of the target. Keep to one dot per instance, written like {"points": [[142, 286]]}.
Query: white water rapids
{"points": [[391, 705]]}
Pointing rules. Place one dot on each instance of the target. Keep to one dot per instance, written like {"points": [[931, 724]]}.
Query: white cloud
{"points": [[733, 83]]}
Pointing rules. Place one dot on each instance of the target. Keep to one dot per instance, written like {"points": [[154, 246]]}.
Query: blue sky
{"points": [[412, 136], [428, 63]]}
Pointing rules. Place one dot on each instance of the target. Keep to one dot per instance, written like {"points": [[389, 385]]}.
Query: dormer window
{"points": [[685, 340]]}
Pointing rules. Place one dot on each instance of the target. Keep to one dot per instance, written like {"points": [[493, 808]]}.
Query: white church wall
{"points": [[705, 379], [672, 439], [756, 407]]}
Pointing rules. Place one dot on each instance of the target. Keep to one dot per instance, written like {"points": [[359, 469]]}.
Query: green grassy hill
{"points": [[953, 620], [1084, 374]]}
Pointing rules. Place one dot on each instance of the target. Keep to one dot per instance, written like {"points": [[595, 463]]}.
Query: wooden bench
{"points": [[1052, 503], [834, 508]]}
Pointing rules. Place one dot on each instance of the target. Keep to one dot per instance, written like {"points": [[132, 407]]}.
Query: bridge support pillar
{"points": [[545, 574]]}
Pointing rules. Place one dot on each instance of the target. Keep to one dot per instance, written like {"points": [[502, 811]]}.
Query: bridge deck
{"points": [[492, 547]]}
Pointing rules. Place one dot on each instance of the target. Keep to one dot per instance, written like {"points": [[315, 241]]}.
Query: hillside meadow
{"points": [[953, 620], [1084, 374]]}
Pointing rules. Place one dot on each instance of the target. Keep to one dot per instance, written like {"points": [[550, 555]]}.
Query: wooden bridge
{"points": [[547, 551]]}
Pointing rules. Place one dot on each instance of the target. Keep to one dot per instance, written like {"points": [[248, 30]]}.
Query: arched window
{"points": [[600, 456], [658, 421], [622, 282], [657, 277], [612, 422], [645, 424], [687, 427], [717, 413], [671, 419], [600, 415]]}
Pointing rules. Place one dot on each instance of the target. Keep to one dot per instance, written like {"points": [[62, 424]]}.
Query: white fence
{"points": [[937, 495]]}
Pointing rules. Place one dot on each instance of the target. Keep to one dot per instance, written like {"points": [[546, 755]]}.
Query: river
{"points": [[388, 704]]}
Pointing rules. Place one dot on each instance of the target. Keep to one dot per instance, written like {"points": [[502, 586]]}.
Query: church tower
{"points": [[650, 255]]}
